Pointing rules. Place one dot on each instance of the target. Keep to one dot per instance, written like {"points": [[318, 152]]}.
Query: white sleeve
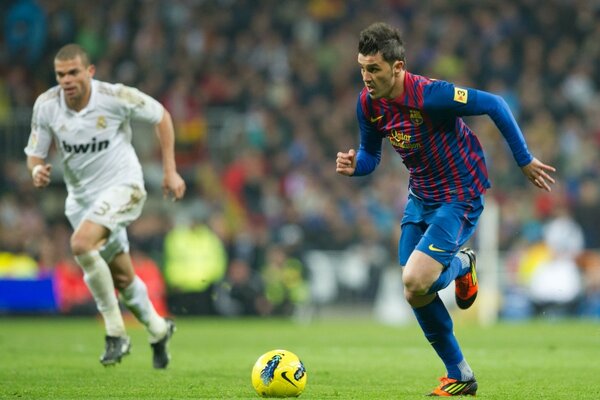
{"points": [[40, 137], [141, 106]]}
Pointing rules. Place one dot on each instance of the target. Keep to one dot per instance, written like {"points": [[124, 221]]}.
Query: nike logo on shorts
{"points": [[433, 248]]}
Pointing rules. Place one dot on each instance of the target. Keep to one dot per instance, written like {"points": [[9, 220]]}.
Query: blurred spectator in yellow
{"points": [[285, 286], [17, 265], [195, 260]]}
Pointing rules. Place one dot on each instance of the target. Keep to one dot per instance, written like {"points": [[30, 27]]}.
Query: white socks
{"points": [[465, 263], [99, 281], [135, 297], [466, 373]]}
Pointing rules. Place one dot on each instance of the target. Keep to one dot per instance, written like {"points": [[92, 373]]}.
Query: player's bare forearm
{"points": [[33, 161], [173, 184], [539, 174], [166, 136]]}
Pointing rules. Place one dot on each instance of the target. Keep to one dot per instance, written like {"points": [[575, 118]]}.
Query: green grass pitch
{"points": [[57, 358]]}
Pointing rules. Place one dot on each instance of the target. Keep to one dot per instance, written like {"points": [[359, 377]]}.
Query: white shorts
{"points": [[115, 208]]}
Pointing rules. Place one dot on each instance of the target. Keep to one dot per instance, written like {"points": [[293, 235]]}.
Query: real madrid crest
{"points": [[415, 117], [101, 122]]}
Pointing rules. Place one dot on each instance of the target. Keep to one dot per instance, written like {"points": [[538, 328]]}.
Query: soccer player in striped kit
{"points": [[421, 118]]}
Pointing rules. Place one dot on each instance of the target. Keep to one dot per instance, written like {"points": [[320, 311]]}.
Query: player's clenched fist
{"points": [[41, 175], [173, 186], [345, 163]]}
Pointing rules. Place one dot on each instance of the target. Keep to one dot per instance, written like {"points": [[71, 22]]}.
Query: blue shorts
{"points": [[437, 229]]}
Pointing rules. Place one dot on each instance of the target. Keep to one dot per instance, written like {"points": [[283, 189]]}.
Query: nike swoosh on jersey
{"points": [[433, 248], [375, 119]]}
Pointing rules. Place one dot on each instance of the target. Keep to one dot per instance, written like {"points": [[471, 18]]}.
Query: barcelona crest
{"points": [[415, 117]]}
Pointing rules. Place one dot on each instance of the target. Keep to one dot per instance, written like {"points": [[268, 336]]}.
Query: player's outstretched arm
{"points": [[40, 171], [538, 173], [345, 163], [173, 184]]}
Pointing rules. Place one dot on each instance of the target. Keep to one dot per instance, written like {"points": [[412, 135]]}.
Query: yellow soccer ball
{"points": [[279, 373]]}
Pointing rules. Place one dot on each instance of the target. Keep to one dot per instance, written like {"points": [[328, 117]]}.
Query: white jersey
{"points": [[94, 143]]}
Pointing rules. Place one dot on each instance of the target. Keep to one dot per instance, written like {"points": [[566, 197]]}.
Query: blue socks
{"points": [[438, 329], [458, 267]]}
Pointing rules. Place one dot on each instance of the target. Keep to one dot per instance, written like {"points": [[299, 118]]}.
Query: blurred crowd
{"points": [[263, 95]]}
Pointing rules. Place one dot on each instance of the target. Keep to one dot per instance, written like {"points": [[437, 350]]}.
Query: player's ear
{"points": [[91, 70], [397, 67]]}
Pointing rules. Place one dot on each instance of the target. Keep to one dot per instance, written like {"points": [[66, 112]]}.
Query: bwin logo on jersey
{"points": [[91, 147]]}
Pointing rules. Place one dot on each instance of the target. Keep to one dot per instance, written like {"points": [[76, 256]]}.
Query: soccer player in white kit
{"points": [[89, 121]]}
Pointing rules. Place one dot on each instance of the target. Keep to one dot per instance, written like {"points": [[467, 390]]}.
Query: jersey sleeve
{"points": [[369, 151], [445, 97], [140, 106], [40, 136]]}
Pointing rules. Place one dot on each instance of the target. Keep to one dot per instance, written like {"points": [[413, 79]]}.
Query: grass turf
{"points": [[57, 358]]}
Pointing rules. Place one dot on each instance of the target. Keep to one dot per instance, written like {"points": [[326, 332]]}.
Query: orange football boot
{"points": [[466, 286], [452, 387]]}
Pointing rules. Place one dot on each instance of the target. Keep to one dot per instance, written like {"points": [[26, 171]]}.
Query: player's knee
{"points": [[414, 284], [79, 245], [121, 280], [413, 298], [418, 299]]}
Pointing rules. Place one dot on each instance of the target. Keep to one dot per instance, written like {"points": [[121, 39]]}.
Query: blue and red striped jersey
{"points": [[444, 158]]}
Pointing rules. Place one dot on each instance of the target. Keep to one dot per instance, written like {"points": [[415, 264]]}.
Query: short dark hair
{"points": [[71, 51], [381, 37]]}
